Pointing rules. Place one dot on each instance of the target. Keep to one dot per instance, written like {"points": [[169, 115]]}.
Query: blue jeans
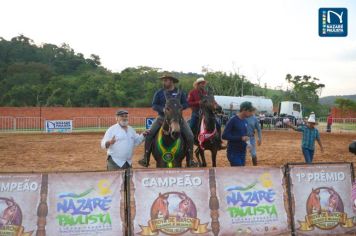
{"points": [[308, 155], [253, 146], [236, 158]]}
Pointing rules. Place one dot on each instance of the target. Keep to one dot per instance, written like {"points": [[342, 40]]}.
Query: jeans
{"points": [[111, 165], [308, 155], [236, 158], [328, 128], [252, 146], [194, 121]]}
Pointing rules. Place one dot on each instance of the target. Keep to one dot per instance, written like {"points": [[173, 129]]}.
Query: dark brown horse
{"points": [[169, 148], [208, 136]]}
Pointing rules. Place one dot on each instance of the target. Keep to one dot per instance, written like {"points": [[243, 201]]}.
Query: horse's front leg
{"points": [[197, 156], [202, 154]]}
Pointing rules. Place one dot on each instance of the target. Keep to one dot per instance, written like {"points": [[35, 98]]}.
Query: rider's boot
{"points": [[254, 161]]}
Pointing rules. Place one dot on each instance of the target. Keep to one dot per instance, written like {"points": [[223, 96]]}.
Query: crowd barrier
{"points": [[294, 199]]}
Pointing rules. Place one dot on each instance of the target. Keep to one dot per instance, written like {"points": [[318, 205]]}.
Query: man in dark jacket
{"points": [[158, 104]]}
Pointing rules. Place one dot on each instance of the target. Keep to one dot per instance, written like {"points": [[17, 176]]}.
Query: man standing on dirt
{"points": [[252, 125], [236, 134], [310, 134], [120, 141], [329, 121], [158, 104]]}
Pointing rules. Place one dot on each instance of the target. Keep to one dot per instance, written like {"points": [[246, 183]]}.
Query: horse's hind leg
{"points": [[213, 157], [202, 154]]}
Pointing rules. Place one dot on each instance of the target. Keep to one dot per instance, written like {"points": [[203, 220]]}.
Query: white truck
{"points": [[263, 105]]}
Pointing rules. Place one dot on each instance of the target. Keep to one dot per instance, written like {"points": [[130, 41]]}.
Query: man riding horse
{"points": [[195, 102], [169, 91]]}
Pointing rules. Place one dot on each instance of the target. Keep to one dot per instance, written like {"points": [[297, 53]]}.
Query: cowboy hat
{"points": [[311, 118], [198, 81], [174, 79]]}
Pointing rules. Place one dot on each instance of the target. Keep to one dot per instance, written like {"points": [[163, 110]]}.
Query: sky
{"points": [[263, 40]]}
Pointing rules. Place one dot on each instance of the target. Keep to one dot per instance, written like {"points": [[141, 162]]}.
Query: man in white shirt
{"points": [[120, 141]]}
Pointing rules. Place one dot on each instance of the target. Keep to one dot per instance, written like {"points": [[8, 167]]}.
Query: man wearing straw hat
{"points": [[310, 134], [158, 104], [194, 101]]}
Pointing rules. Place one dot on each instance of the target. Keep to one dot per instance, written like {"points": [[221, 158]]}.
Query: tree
{"points": [[306, 90]]}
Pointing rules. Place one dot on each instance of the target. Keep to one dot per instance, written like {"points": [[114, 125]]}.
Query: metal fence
{"points": [[36, 124]]}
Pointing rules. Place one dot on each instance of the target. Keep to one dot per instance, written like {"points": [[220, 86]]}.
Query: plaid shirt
{"points": [[309, 136]]}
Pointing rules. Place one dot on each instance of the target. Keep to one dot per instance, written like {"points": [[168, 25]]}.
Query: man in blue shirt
{"points": [[252, 125], [158, 104], [310, 134], [236, 134]]}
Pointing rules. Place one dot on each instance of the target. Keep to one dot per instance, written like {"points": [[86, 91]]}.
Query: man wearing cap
{"points": [[310, 134], [120, 141], [236, 134], [194, 101], [158, 104]]}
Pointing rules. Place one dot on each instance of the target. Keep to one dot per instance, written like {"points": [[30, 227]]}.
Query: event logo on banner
{"points": [[19, 199], [59, 126], [252, 201], [170, 202], [322, 198], [85, 203]]}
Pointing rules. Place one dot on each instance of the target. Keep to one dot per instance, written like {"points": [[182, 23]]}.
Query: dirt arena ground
{"points": [[82, 152]]}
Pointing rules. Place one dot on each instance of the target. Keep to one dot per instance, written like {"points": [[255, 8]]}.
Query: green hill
{"points": [[330, 100]]}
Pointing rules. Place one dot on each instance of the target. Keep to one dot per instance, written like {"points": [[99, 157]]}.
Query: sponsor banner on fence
{"points": [[90, 203], [252, 201], [321, 194], [19, 200], [59, 126], [172, 202]]}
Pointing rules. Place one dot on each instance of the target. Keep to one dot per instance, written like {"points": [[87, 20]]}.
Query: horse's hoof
{"points": [[143, 163]]}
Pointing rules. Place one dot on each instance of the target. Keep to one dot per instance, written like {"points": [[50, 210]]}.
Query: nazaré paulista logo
{"points": [[85, 212], [332, 22]]}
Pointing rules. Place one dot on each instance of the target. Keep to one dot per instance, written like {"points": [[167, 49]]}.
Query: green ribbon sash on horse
{"points": [[168, 154]]}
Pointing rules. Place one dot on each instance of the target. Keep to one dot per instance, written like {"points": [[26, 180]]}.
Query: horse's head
{"points": [[314, 200], [10, 212], [208, 102], [173, 115], [163, 205]]}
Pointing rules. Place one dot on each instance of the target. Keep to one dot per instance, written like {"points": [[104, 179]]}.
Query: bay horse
{"points": [[169, 146], [159, 208], [313, 202], [208, 136]]}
